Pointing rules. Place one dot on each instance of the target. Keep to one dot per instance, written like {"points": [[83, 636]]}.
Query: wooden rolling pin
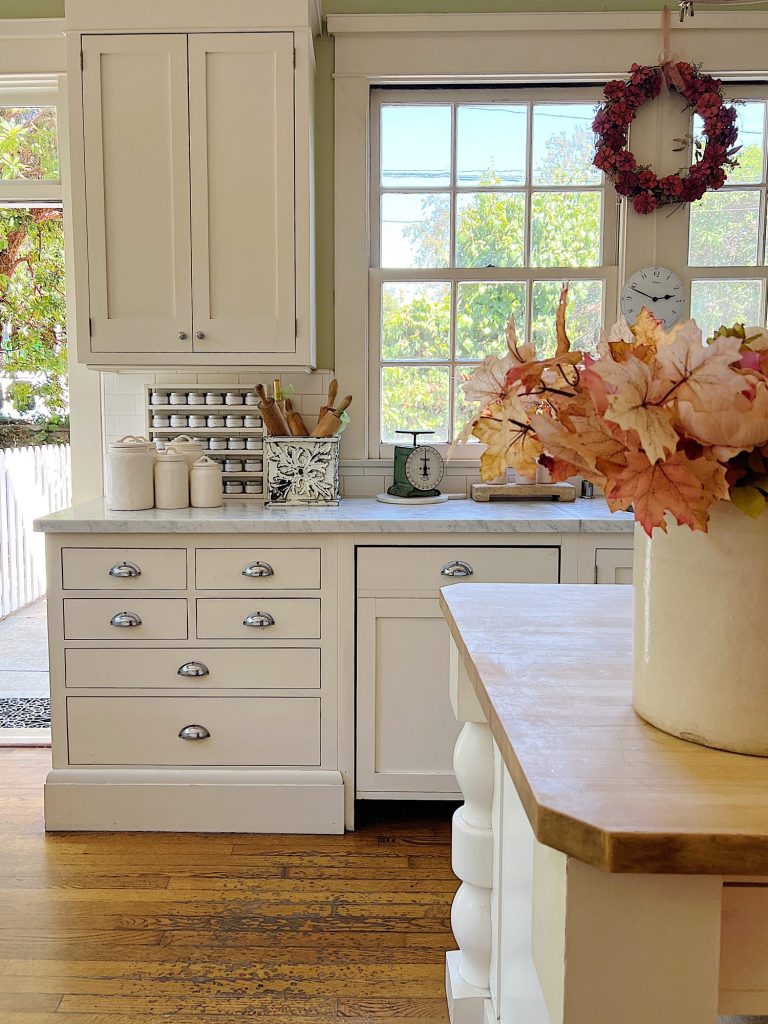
{"points": [[333, 390], [295, 422], [331, 421], [274, 421]]}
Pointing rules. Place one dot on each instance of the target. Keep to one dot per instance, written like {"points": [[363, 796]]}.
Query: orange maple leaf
{"points": [[633, 404]]}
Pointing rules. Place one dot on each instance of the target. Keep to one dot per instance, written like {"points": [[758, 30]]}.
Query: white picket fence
{"points": [[33, 482]]}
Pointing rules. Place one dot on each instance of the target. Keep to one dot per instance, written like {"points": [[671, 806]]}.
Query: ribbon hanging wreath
{"points": [[703, 95]]}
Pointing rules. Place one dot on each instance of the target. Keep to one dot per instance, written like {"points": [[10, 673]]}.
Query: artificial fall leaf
{"points": [[653, 489], [531, 374], [563, 342], [631, 405], [524, 352], [749, 500], [647, 330], [739, 425], [711, 475], [487, 383], [588, 444], [510, 441], [699, 374]]}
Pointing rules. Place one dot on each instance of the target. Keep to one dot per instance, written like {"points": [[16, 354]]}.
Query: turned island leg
{"points": [[468, 968]]}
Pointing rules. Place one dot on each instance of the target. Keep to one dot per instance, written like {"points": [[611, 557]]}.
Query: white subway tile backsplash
{"points": [[362, 486]]}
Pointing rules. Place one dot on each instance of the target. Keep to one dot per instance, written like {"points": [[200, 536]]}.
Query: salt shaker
{"points": [[130, 484], [171, 480], [205, 484]]}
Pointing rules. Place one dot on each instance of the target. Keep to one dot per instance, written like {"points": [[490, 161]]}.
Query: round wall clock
{"points": [[658, 289]]}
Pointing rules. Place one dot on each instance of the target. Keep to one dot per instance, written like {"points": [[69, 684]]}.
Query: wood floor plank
{"points": [[141, 928]]}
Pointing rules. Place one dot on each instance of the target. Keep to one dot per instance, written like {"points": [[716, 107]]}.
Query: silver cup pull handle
{"points": [[193, 669], [125, 620], [194, 732], [125, 571], [260, 620], [258, 570], [457, 569]]}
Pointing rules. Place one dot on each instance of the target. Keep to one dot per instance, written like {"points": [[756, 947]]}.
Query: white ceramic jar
{"points": [[171, 480], [159, 398], [214, 398], [197, 420], [234, 421], [253, 465], [251, 398], [205, 486], [249, 420], [233, 398], [216, 421], [254, 444], [195, 398], [218, 444], [178, 398], [130, 474], [179, 421], [233, 487], [186, 446], [161, 421], [233, 466], [236, 443], [254, 487]]}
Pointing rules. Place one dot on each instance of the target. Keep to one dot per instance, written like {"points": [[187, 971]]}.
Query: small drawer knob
{"points": [[125, 571], [194, 732], [257, 570], [260, 620], [457, 568], [125, 620], [182, 335], [200, 335], [193, 669]]}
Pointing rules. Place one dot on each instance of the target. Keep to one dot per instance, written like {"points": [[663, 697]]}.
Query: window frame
{"points": [[32, 91], [606, 270]]}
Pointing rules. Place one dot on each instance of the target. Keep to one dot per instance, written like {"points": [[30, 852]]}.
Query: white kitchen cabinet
{"points": [[192, 190], [613, 565]]}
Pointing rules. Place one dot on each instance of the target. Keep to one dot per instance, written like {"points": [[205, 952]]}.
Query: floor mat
{"points": [[25, 713]]}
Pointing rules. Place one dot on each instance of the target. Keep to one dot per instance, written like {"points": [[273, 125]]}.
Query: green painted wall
{"points": [[324, 121]]}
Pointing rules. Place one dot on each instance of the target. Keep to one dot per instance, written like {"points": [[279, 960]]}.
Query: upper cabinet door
{"points": [[241, 102], [135, 124]]}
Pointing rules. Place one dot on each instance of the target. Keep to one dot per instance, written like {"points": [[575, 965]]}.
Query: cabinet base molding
{"points": [[151, 800], [466, 1004]]}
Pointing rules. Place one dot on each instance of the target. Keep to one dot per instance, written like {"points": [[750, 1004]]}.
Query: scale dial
{"points": [[424, 468]]}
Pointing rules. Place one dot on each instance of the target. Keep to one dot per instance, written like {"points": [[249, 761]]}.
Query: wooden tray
{"points": [[523, 492]]}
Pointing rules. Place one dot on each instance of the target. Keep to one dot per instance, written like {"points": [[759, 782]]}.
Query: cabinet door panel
{"points": [[613, 565], [135, 126], [405, 725], [241, 98]]}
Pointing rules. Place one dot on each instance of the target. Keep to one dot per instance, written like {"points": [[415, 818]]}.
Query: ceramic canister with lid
{"points": [[171, 480], [186, 446], [130, 474], [214, 398], [233, 398], [205, 484]]}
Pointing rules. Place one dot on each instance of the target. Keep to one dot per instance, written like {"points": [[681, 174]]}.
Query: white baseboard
{"points": [[151, 800]]}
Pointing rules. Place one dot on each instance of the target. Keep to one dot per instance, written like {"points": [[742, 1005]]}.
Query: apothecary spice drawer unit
{"points": [[193, 684]]}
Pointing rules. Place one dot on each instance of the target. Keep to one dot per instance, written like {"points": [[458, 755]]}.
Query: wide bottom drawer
{"points": [[242, 731]]}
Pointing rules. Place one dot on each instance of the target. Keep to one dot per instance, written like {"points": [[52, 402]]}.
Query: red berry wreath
{"points": [[639, 182]]}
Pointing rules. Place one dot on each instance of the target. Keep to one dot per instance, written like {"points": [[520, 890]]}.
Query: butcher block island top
{"points": [[552, 668]]}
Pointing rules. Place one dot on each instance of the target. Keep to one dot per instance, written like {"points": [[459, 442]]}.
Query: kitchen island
{"points": [[610, 872], [255, 669]]}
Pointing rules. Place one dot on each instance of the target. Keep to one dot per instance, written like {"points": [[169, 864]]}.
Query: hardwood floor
{"points": [[99, 928]]}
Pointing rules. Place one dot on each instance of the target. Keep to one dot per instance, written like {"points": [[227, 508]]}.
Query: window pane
{"points": [[415, 229], [416, 320], [415, 398], [750, 122], [564, 144], [565, 229], [491, 145], [584, 316], [490, 229], [415, 145], [725, 302], [462, 409], [724, 229], [28, 145], [481, 317]]}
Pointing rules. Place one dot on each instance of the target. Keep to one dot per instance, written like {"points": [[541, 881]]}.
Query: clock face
{"points": [[659, 290], [424, 467]]}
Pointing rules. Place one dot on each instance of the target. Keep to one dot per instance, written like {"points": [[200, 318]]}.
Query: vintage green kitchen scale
{"points": [[418, 469]]}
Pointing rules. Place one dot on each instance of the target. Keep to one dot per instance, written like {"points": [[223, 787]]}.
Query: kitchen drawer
{"points": [[222, 618], [103, 568], [262, 668], [160, 618], [235, 568], [145, 730], [389, 570]]}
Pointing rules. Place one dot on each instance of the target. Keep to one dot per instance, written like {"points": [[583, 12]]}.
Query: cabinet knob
{"points": [[259, 620], [256, 570], [199, 335], [182, 335], [457, 569], [194, 732], [192, 669], [125, 571], [125, 620]]}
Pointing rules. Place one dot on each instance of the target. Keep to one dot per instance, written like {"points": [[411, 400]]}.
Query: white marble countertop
{"points": [[353, 515]]}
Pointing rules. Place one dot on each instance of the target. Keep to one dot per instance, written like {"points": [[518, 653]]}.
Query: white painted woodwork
{"points": [[743, 961], [293, 568], [402, 569], [88, 569], [145, 730], [241, 139], [221, 618], [405, 728], [135, 135], [613, 565], [157, 668], [89, 618]]}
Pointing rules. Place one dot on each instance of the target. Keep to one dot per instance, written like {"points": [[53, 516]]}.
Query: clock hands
{"points": [[653, 298]]}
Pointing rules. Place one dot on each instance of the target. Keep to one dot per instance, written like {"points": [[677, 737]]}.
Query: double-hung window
{"points": [[483, 202]]}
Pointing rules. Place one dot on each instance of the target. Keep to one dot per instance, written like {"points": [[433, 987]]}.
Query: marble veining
{"points": [[353, 515]]}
